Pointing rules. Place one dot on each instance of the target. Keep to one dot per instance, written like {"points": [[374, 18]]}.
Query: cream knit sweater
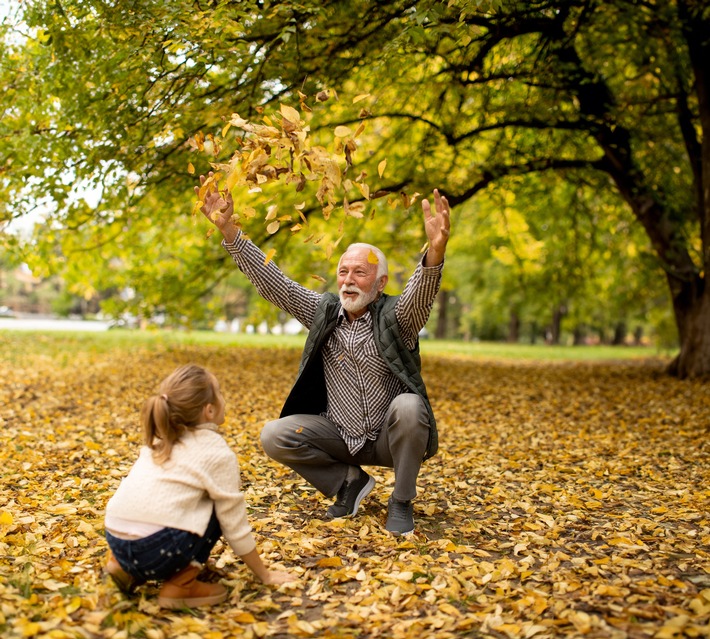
{"points": [[201, 474]]}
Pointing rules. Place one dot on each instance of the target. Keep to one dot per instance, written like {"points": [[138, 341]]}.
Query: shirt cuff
{"points": [[236, 245], [431, 270]]}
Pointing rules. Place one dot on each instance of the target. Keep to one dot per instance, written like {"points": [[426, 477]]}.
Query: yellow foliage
{"points": [[567, 500]]}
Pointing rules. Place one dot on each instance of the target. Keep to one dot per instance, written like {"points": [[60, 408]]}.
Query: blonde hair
{"points": [[176, 407]]}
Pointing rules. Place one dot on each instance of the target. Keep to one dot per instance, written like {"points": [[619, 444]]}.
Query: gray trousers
{"points": [[312, 446]]}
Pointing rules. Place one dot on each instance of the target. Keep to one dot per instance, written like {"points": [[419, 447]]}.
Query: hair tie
{"points": [[165, 397]]}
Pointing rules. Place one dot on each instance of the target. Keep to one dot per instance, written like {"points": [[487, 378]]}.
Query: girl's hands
{"points": [[278, 577]]}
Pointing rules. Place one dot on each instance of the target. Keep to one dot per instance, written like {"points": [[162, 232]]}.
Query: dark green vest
{"points": [[308, 395]]}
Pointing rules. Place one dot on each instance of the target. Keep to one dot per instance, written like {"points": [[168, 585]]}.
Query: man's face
{"points": [[358, 284]]}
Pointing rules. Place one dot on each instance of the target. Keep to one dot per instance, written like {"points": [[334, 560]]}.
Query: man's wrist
{"points": [[230, 235]]}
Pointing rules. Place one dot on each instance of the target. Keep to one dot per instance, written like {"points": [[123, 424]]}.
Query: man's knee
{"points": [[271, 438], [410, 409]]}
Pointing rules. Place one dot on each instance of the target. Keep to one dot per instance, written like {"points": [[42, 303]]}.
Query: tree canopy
{"points": [[576, 130]]}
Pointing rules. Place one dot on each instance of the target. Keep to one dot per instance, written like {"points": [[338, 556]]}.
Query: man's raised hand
{"points": [[437, 225], [218, 208]]}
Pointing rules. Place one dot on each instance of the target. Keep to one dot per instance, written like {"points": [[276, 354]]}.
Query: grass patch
{"points": [[15, 344]]}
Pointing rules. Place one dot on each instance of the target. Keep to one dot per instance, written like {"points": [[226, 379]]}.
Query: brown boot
{"points": [[125, 582], [184, 591]]}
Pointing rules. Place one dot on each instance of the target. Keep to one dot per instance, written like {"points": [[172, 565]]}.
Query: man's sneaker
{"points": [[400, 517], [350, 495]]}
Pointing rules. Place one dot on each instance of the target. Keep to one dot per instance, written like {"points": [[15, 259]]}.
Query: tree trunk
{"points": [[442, 315], [533, 332], [638, 335], [692, 314], [619, 334], [556, 326], [513, 328], [579, 335]]}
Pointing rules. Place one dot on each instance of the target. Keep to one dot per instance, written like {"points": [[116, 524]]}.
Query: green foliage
{"points": [[481, 99]]}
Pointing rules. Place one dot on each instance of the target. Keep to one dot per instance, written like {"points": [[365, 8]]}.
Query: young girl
{"points": [[182, 493]]}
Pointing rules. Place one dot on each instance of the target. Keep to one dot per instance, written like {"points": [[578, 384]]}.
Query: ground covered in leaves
{"points": [[568, 500]]}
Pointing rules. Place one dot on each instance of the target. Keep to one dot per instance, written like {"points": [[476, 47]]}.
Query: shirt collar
{"points": [[342, 316]]}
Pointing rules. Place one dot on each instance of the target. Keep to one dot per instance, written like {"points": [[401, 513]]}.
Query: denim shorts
{"points": [[161, 555]]}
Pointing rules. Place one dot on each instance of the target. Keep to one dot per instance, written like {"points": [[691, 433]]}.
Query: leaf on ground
{"points": [[567, 500]]}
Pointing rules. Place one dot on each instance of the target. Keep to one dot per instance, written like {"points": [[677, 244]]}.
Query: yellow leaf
{"points": [[372, 258], [360, 97], [330, 562], [273, 227], [342, 131], [190, 168], [243, 617], [62, 509], [269, 256], [290, 114], [73, 605], [31, 629], [381, 167], [356, 210], [226, 128], [6, 518]]}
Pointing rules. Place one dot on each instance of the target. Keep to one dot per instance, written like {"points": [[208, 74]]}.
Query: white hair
{"points": [[382, 268]]}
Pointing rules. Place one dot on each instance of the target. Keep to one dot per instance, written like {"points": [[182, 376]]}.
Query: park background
{"points": [[571, 137]]}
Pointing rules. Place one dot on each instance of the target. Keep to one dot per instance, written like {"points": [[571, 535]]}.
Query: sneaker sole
{"points": [[366, 489]]}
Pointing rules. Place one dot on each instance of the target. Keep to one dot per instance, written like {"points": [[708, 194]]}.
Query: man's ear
{"points": [[383, 282]]}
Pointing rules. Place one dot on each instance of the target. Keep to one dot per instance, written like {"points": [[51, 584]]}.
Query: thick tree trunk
{"points": [[692, 312]]}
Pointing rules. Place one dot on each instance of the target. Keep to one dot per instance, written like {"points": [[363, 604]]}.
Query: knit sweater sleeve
{"points": [[223, 485]]}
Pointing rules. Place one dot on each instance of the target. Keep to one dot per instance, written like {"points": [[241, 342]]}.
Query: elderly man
{"points": [[359, 398]]}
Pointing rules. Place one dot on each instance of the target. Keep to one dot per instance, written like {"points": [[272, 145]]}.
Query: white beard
{"points": [[360, 302]]}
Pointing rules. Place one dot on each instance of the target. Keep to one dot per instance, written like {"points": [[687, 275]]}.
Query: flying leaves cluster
{"points": [[280, 147], [567, 500]]}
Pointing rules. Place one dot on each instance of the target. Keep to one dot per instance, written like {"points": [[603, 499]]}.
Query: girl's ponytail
{"points": [[177, 407]]}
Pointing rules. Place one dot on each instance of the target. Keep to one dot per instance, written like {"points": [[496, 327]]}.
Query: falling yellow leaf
{"points": [[381, 168], [273, 227], [269, 256], [342, 131], [190, 168], [290, 114], [372, 257], [362, 96]]}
